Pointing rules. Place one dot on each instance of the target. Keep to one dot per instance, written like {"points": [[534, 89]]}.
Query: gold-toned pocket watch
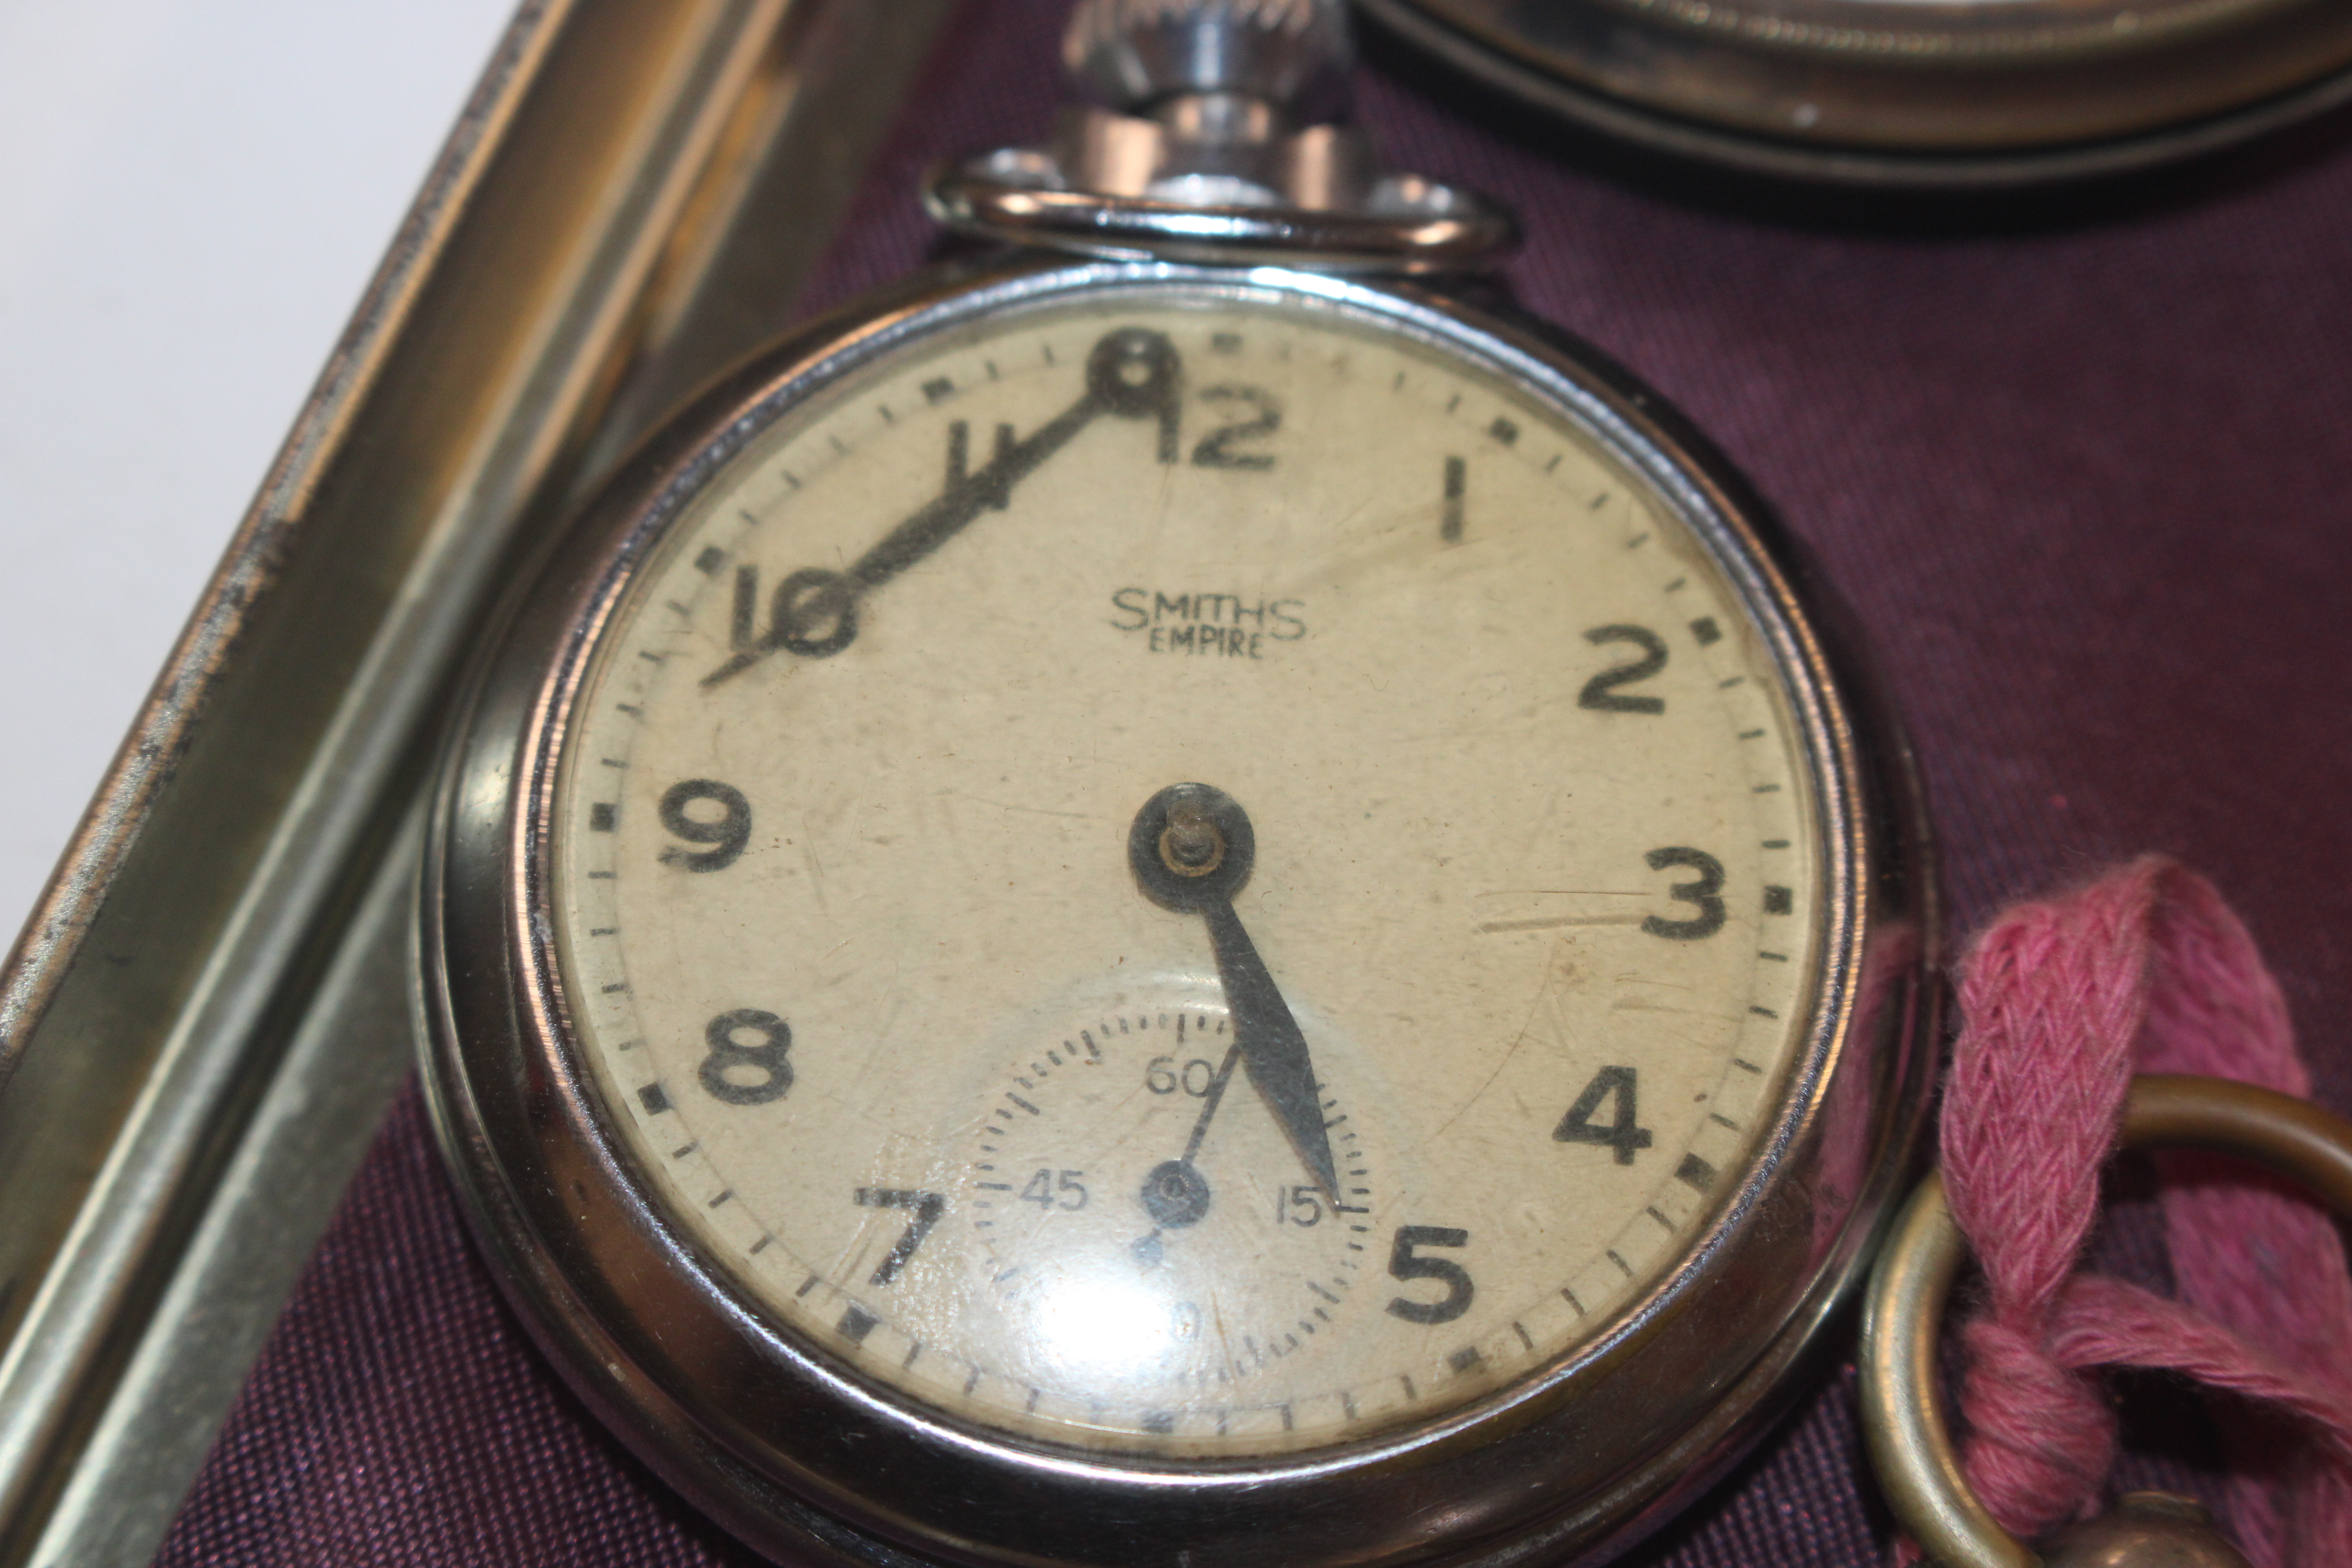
{"points": [[1170, 897]]}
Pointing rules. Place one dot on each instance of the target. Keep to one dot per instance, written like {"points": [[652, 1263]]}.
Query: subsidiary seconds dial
{"points": [[1187, 873]]}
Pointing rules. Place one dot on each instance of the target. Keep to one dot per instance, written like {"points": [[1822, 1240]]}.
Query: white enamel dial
{"points": [[953, 1053]]}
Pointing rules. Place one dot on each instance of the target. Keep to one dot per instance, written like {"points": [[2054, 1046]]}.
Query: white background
{"points": [[192, 195]]}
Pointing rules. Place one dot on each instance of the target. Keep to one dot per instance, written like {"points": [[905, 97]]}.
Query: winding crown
{"points": [[1218, 136], [1132, 53]]}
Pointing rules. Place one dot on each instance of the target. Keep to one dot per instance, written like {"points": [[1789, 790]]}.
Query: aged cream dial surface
{"points": [[855, 848]]}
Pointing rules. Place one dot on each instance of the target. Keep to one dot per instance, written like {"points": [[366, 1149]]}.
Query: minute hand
{"points": [[1272, 1047], [1130, 373]]}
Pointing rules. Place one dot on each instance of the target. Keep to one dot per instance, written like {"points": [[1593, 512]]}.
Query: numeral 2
{"points": [[1600, 693]]}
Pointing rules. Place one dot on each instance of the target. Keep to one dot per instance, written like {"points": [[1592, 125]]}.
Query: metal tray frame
{"points": [[206, 1016]]}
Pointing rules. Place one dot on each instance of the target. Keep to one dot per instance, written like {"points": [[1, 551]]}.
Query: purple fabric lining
{"points": [[2084, 488]]}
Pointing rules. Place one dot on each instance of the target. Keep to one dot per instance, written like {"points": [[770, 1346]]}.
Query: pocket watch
{"points": [[1919, 94], [1174, 898]]}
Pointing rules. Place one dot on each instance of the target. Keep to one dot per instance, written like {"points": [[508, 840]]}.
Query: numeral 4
{"points": [[1620, 1133]]}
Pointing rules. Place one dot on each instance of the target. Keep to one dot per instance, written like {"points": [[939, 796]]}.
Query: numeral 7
{"points": [[928, 1207]]}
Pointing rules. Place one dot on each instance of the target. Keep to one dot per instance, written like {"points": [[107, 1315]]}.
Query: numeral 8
{"points": [[767, 1058]]}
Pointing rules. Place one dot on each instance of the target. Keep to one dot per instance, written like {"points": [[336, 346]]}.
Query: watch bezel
{"points": [[776, 1435]]}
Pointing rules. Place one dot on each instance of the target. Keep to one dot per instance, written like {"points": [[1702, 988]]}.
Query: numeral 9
{"points": [[728, 833]]}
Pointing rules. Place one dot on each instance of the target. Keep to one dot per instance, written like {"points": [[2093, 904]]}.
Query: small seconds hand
{"points": [[1209, 1102], [1175, 1194]]}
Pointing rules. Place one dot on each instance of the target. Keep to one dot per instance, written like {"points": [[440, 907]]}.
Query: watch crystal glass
{"points": [[1189, 873]]}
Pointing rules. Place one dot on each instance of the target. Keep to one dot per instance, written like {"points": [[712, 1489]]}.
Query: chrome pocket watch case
{"points": [[1905, 94], [1171, 898]]}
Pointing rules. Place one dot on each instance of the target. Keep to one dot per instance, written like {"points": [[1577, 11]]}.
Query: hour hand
{"points": [[1191, 848]]}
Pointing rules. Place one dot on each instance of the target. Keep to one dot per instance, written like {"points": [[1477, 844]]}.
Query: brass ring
{"points": [[1902, 1412]]}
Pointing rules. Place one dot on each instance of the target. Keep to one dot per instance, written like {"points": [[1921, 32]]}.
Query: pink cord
{"points": [[2146, 970]]}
